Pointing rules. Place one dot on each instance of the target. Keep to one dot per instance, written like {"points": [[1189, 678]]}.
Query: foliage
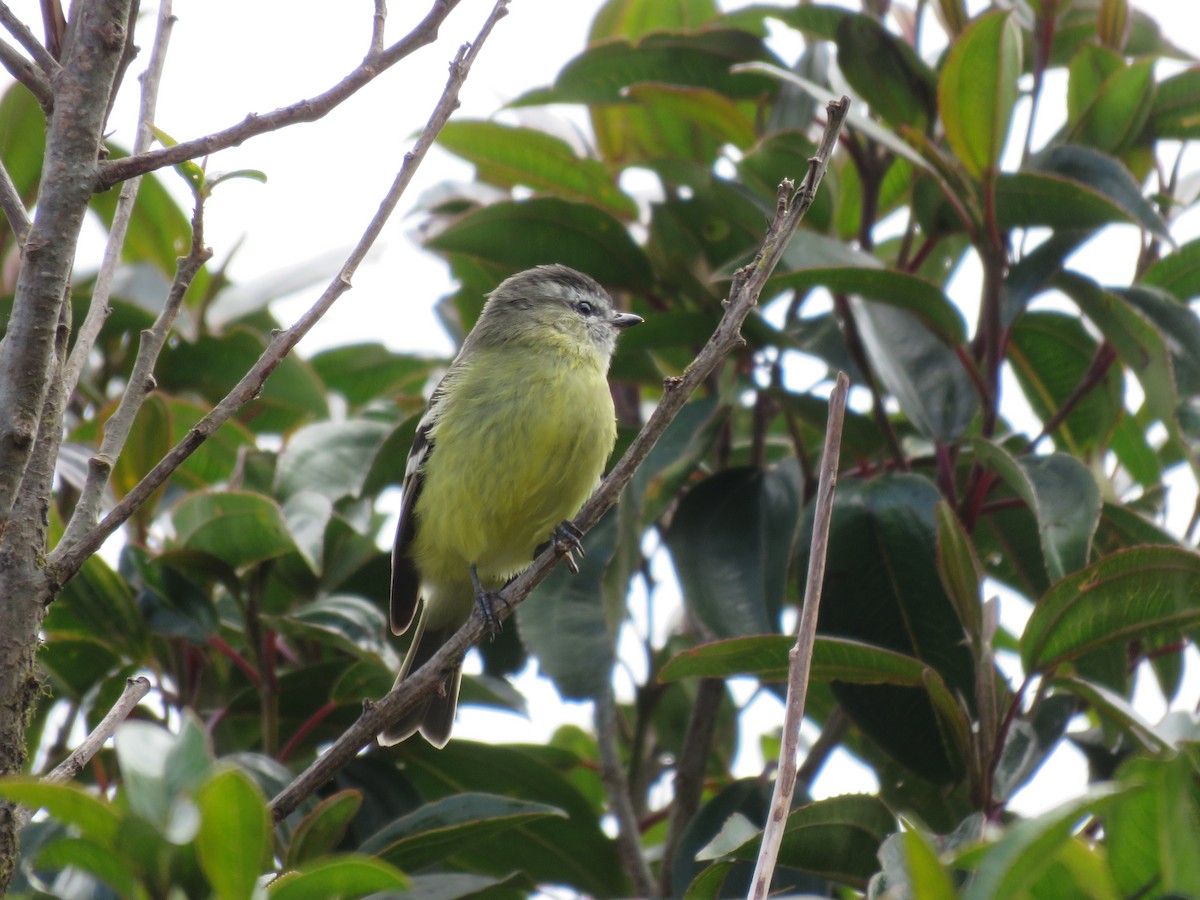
{"points": [[253, 587]]}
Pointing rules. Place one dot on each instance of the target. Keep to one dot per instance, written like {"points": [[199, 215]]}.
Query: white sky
{"points": [[325, 181]]}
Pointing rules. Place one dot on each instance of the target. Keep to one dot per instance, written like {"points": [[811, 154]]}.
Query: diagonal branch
{"points": [[748, 283], [13, 206], [99, 309], [28, 74], [26, 38], [66, 559], [307, 110]]}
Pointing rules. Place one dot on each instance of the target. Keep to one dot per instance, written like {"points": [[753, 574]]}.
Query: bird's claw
{"points": [[567, 539]]}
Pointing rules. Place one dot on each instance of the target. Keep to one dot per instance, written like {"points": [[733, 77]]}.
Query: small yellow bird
{"points": [[513, 442]]}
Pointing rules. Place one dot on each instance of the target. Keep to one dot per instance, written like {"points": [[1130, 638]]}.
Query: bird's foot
{"points": [[486, 601], [566, 539]]}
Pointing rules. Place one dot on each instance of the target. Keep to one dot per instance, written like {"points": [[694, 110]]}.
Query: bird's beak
{"points": [[624, 320]]}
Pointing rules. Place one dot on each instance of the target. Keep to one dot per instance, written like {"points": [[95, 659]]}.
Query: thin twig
{"points": [[26, 38], [307, 110], [27, 73], [99, 309], [13, 206], [65, 560], [378, 21], [748, 283], [135, 690], [800, 657], [140, 385], [616, 789]]}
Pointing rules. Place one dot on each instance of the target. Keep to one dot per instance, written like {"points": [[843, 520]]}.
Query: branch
{"points": [[800, 658], [748, 283], [73, 139], [66, 559], [308, 110], [99, 309], [18, 29], [140, 385], [28, 74], [616, 789], [135, 690], [14, 207]]}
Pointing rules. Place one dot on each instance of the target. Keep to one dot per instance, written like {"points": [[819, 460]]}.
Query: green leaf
{"points": [[1180, 329], [238, 527], [882, 588], [343, 876], [907, 292], [633, 18], [731, 542], [978, 88], [441, 827], [701, 108], [1115, 708], [365, 372], [235, 833], [928, 878], [551, 230], [785, 154], [1151, 832], [959, 570], [97, 860], [1050, 353], [142, 752], [1029, 199], [925, 375], [358, 625], [1177, 273], [321, 831], [1176, 109], [1138, 343], [1108, 177], [508, 156], [1116, 114], [1140, 592], [69, 804], [330, 458], [1029, 742], [1010, 867], [836, 838], [1063, 496], [886, 72], [148, 442]]}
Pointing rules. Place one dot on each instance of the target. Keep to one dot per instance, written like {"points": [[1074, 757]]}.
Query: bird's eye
{"points": [[585, 308]]}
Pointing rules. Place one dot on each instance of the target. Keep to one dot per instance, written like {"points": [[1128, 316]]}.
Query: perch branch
{"points": [[747, 284], [800, 658], [27, 39]]}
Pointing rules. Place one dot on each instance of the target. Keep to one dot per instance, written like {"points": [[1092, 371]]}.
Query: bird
{"points": [[514, 440]]}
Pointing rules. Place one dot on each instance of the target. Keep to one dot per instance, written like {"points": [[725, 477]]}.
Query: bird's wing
{"points": [[406, 583]]}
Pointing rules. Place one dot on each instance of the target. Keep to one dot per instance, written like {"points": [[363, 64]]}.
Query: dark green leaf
{"points": [[886, 72], [1133, 593], [924, 374], [551, 231], [321, 831], [1176, 110], [1029, 199], [1177, 273], [329, 458], [731, 542], [365, 372], [959, 570], [99, 861], [1114, 708], [238, 527]]}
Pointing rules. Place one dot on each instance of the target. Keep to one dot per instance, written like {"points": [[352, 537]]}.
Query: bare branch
{"points": [[27, 73], [616, 789], [99, 309], [800, 657], [19, 30], [73, 138], [377, 28], [13, 206], [141, 384], [66, 559], [308, 110], [747, 285], [135, 690]]}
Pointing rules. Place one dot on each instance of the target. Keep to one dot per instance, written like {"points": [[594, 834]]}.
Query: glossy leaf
{"points": [[978, 89], [702, 108], [1140, 592], [69, 804], [1176, 110], [1063, 496], [924, 374], [836, 838], [235, 833], [322, 830], [329, 458], [959, 570], [365, 372], [551, 230], [1177, 273], [1116, 114], [1115, 709], [339, 876], [1027, 199], [238, 527], [731, 541], [506, 156], [886, 72]]}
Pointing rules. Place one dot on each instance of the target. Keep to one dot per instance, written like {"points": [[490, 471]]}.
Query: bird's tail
{"points": [[434, 717]]}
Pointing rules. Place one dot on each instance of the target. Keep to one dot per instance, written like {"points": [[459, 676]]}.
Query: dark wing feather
{"points": [[406, 582]]}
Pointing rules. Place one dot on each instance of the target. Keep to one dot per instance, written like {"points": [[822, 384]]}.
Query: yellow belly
{"points": [[511, 459]]}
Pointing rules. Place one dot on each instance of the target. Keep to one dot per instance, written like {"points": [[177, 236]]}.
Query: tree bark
{"points": [[31, 359]]}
